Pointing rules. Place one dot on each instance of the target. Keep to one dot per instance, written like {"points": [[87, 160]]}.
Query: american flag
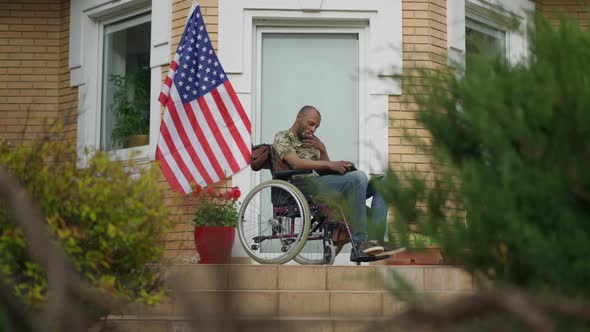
{"points": [[205, 132]]}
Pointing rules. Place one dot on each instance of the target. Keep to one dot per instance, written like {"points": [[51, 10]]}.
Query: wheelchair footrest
{"points": [[367, 258]]}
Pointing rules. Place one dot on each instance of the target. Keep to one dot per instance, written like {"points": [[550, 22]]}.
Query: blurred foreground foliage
{"points": [[109, 222], [510, 147]]}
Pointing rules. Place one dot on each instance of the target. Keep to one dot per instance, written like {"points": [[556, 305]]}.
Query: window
{"points": [[487, 28], [125, 111], [117, 49], [482, 39]]}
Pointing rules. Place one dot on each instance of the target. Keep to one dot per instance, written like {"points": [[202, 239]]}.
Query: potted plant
{"points": [[422, 252], [131, 108], [215, 220]]}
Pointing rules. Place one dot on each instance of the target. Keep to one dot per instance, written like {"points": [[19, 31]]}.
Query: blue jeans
{"points": [[354, 187]]}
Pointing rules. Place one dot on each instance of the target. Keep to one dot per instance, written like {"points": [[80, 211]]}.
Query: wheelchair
{"points": [[278, 222]]}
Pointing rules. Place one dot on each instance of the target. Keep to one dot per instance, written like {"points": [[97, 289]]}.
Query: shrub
{"points": [[108, 222], [514, 143]]}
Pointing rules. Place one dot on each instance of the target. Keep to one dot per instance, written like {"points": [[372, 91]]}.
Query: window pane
{"points": [[483, 40], [125, 116]]}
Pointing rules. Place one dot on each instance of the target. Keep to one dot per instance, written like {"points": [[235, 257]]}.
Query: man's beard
{"points": [[299, 131]]}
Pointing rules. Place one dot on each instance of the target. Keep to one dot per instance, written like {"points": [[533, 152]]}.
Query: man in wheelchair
{"points": [[301, 149]]}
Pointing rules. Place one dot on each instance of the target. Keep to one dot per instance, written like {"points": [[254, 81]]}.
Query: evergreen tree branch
{"points": [[536, 312]]}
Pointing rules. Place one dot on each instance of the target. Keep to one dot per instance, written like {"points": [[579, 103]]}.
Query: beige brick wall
{"points": [[31, 52], [424, 46], [553, 9]]}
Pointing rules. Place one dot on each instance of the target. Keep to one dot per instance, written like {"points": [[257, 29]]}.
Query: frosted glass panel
{"points": [[312, 69]]}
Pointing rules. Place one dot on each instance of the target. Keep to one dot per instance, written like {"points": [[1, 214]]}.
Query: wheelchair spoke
{"points": [[273, 222], [313, 251], [317, 250]]}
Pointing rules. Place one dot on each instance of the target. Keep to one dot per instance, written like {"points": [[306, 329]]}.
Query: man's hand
{"points": [[314, 142], [340, 166]]}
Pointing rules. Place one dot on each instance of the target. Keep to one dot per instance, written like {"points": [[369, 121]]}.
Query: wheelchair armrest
{"points": [[284, 175]]}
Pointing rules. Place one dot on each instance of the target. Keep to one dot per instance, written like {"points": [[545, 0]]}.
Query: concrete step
{"points": [[302, 277], [298, 324], [281, 297]]}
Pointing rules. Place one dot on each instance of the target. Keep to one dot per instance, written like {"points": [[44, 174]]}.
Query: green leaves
{"points": [[130, 105], [215, 209], [110, 223], [513, 198]]}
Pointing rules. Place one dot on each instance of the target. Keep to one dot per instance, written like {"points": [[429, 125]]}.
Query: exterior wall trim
{"points": [[237, 23]]}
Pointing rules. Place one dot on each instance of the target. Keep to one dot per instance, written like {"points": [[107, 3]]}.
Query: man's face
{"points": [[307, 124]]}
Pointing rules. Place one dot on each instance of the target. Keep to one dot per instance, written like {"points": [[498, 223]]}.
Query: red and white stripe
{"points": [[163, 99], [203, 141]]}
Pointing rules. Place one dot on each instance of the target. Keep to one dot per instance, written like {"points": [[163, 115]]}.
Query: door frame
{"points": [[381, 20]]}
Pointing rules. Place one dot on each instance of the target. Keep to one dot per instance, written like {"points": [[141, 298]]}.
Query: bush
{"points": [[514, 143], [108, 222]]}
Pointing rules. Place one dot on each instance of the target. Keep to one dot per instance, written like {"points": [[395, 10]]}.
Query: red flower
{"points": [[211, 191], [197, 190], [235, 193], [216, 206]]}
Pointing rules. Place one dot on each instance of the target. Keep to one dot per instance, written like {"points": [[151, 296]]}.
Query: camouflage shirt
{"points": [[286, 142]]}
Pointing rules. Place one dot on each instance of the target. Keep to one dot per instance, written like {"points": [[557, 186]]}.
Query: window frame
{"points": [[499, 14], [125, 153], [87, 21], [482, 26]]}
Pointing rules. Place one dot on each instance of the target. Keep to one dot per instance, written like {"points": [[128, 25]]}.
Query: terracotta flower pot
{"points": [[452, 260], [416, 256], [138, 140], [214, 244]]}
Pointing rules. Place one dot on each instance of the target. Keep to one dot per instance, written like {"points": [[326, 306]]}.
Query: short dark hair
{"points": [[307, 108]]}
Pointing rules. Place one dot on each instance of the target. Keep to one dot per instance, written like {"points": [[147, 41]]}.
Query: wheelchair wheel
{"points": [[315, 253], [316, 250], [273, 222]]}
